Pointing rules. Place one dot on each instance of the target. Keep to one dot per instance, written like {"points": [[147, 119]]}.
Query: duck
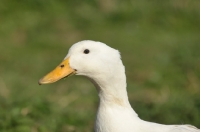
{"points": [[103, 66]]}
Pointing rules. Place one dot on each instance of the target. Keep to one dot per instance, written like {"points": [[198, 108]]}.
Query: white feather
{"points": [[103, 66]]}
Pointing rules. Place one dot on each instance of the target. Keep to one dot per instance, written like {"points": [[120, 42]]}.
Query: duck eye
{"points": [[62, 66], [86, 51]]}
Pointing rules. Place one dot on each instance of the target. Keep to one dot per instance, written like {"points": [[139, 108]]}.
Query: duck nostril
{"points": [[62, 66]]}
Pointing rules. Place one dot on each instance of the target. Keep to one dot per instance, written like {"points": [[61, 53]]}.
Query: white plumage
{"points": [[103, 66]]}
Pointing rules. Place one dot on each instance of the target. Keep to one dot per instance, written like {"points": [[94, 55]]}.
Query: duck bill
{"points": [[61, 71]]}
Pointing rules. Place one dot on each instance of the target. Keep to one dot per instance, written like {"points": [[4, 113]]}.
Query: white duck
{"points": [[103, 66]]}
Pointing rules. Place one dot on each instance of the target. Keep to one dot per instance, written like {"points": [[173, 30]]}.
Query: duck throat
{"points": [[112, 89], [114, 106]]}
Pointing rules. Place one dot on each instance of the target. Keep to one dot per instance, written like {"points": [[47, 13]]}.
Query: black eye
{"points": [[86, 51]]}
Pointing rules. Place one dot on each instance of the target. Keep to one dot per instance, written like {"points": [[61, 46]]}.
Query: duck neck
{"points": [[112, 89]]}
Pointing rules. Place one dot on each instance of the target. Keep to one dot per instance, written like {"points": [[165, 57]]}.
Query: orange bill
{"points": [[61, 71]]}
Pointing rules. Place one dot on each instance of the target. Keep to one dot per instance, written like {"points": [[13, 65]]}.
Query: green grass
{"points": [[158, 41]]}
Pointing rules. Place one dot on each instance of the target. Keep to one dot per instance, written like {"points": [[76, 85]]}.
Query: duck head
{"points": [[92, 59]]}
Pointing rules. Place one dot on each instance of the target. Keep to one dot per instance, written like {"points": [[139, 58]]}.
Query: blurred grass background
{"points": [[160, 46]]}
